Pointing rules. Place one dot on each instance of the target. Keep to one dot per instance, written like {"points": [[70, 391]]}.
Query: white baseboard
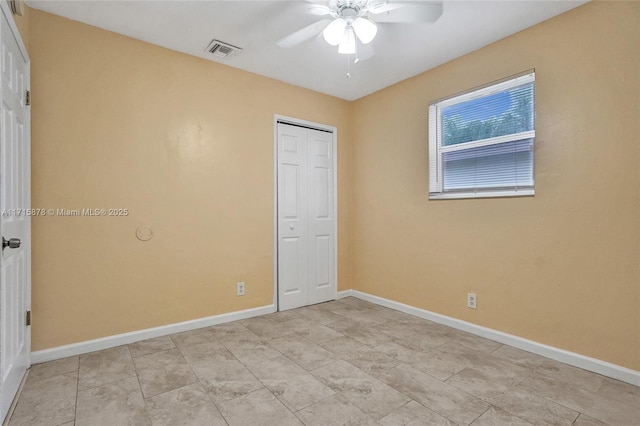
{"points": [[344, 293], [592, 364], [149, 333]]}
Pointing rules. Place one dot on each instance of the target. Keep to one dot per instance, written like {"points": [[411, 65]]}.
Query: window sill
{"points": [[483, 194]]}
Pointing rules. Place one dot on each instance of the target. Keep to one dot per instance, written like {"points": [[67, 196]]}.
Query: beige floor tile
{"points": [[225, 378], [489, 365], [240, 336], [330, 306], [620, 391], [346, 348], [430, 362], [446, 400], [417, 337], [391, 314], [150, 346], [117, 403], [359, 354], [283, 316], [355, 313], [373, 361], [186, 406], [414, 414], [589, 403], [522, 358], [367, 334], [258, 407], [50, 401], [354, 301], [106, 366], [294, 386], [364, 391], [419, 325], [163, 371], [311, 330], [202, 350], [267, 329], [583, 420], [227, 330], [194, 337], [54, 368], [369, 317], [487, 383], [335, 411], [476, 343], [306, 354], [572, 375], [534, 408], [320, 316], [249, 348], [497, 417]]}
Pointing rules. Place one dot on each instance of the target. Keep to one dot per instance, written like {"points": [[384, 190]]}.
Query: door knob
{"points": [[11, 243], [292, 227]]}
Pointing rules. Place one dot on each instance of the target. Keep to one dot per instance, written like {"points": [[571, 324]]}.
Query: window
{"points": [[481, 142]]}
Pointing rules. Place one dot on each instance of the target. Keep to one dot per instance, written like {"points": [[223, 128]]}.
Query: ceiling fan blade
{"points": [[303, 34], [382, 6], [319, 9], [407, 12]]}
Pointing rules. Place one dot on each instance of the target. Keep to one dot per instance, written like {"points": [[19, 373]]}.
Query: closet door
{"points": [[306, 223]]}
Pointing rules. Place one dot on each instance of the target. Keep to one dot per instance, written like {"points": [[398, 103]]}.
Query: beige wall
{"points": [[187, 146], [559, 268]]}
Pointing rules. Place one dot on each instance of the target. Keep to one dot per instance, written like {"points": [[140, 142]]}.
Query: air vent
{"points": [[222, 50]]}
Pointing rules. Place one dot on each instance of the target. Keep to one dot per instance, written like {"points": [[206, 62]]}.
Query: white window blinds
{"points": [[481, 142]]}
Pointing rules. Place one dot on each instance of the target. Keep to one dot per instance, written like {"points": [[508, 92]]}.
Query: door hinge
{"points": [[27, 99], [28, 317]]}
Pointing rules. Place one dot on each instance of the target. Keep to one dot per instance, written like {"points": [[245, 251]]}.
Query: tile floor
{"points": [[346, 362]]}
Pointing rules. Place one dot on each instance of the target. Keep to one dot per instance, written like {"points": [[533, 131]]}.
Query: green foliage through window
{"points": [[499, 114]]}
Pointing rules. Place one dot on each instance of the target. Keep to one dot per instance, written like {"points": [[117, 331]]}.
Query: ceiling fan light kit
{"points": [[365, 29], [348, 44], [348, 24], [335, 31]]}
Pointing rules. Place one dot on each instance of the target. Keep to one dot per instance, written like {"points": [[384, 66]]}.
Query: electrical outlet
{"points": [[472, 301], [240, 289]]}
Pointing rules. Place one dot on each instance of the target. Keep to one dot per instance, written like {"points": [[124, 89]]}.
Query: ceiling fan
{"points": [[350, 21]]}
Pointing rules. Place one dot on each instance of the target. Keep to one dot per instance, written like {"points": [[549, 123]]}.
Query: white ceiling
{"points": [[402, 50]]}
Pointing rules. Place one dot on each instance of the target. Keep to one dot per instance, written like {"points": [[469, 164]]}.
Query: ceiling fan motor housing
{"points": [[349, 10]]}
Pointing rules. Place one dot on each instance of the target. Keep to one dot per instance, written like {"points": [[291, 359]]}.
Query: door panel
{"points": [[292, 222], [290, 200], [291, 274], [323, 261], [305, 213], [321, 184], [322, 282], [15, 222]]}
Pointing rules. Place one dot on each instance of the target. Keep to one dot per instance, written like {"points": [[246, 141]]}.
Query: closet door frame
{"points": [[317, 126]]}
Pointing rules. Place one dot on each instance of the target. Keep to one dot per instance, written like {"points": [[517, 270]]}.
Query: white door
{"points": [[306, 217], [15, 222]]}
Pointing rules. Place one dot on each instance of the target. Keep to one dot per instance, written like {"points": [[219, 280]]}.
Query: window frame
{"points": [[437, 150]]}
